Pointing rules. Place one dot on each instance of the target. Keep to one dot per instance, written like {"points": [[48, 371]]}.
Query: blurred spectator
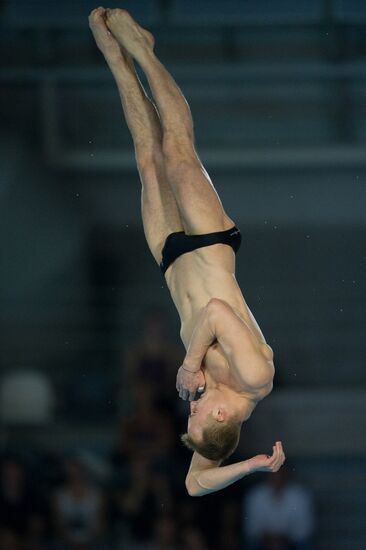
{"points": [[165, 534], [192, 537], [278, 515], [229, 534], [79, 509], [142, 499], [22, 513], [155, 357], [146, 430]]}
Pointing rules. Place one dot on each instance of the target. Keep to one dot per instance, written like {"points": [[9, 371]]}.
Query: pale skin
{"points": [[226, 353]]}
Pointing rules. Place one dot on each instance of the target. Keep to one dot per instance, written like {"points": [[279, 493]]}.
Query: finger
{"points": [[192, 395], [281, 454], [280, 457], [274, 456], [183, 395]]}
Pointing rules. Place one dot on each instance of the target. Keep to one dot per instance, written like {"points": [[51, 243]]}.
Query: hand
{"points": [[265, 463], [189, 382]]}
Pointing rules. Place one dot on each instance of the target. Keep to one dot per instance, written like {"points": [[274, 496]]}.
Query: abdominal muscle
{"points": [[196, 277]]}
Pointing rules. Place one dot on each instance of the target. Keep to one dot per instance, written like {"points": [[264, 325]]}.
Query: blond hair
{"points": [[219, 439]]}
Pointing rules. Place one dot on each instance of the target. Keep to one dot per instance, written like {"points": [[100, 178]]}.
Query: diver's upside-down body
{"points": [[194, 242]]}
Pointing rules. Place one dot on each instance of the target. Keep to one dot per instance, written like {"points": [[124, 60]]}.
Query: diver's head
{"points": [[213, 425]]}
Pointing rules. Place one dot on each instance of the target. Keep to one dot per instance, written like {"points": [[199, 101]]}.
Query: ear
{"points": [[221, 414]]}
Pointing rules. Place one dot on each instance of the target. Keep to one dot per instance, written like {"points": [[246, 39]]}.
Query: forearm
{"points": [[206, 481], [202, 337]]}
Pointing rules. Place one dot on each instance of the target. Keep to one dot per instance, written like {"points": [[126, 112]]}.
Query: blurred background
{"points": [[89, 337]]}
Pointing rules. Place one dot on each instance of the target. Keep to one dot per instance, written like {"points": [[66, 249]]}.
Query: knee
{"points": [[180, 164], [177, 148], [147, 158]]}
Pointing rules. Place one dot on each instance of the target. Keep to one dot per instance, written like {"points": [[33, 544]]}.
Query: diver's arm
{"points": [[218, 321], [249, 358], [190, 377], [206, 476], [202, 337]]}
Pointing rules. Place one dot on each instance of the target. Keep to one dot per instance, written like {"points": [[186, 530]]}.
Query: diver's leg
{"points": [[159, 209], [199, 204]]}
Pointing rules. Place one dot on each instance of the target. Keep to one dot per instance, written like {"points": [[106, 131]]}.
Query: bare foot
{"points": [[128, 33], [107, 44], [115, 54]]}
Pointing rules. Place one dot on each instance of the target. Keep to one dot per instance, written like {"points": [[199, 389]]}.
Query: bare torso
{"points": [[193, 279]]}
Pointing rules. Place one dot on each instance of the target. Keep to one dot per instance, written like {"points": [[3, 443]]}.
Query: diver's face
{"points": [[200, 411]]}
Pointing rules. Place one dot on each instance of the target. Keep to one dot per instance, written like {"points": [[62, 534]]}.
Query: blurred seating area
{"points": [[128, 490], [115, 479], [124, 488]]}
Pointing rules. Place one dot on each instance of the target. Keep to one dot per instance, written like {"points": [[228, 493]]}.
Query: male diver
{"points": [[194, 242]]}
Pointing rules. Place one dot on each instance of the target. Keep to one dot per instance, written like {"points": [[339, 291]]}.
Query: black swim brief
{"points": [[179, 243]]}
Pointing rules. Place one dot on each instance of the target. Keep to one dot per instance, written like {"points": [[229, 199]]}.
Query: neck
{"points": [[236, 402]]}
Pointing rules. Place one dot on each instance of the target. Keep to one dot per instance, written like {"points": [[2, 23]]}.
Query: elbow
{"points": [[215, 305], [192, 490], [189, 487]]}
